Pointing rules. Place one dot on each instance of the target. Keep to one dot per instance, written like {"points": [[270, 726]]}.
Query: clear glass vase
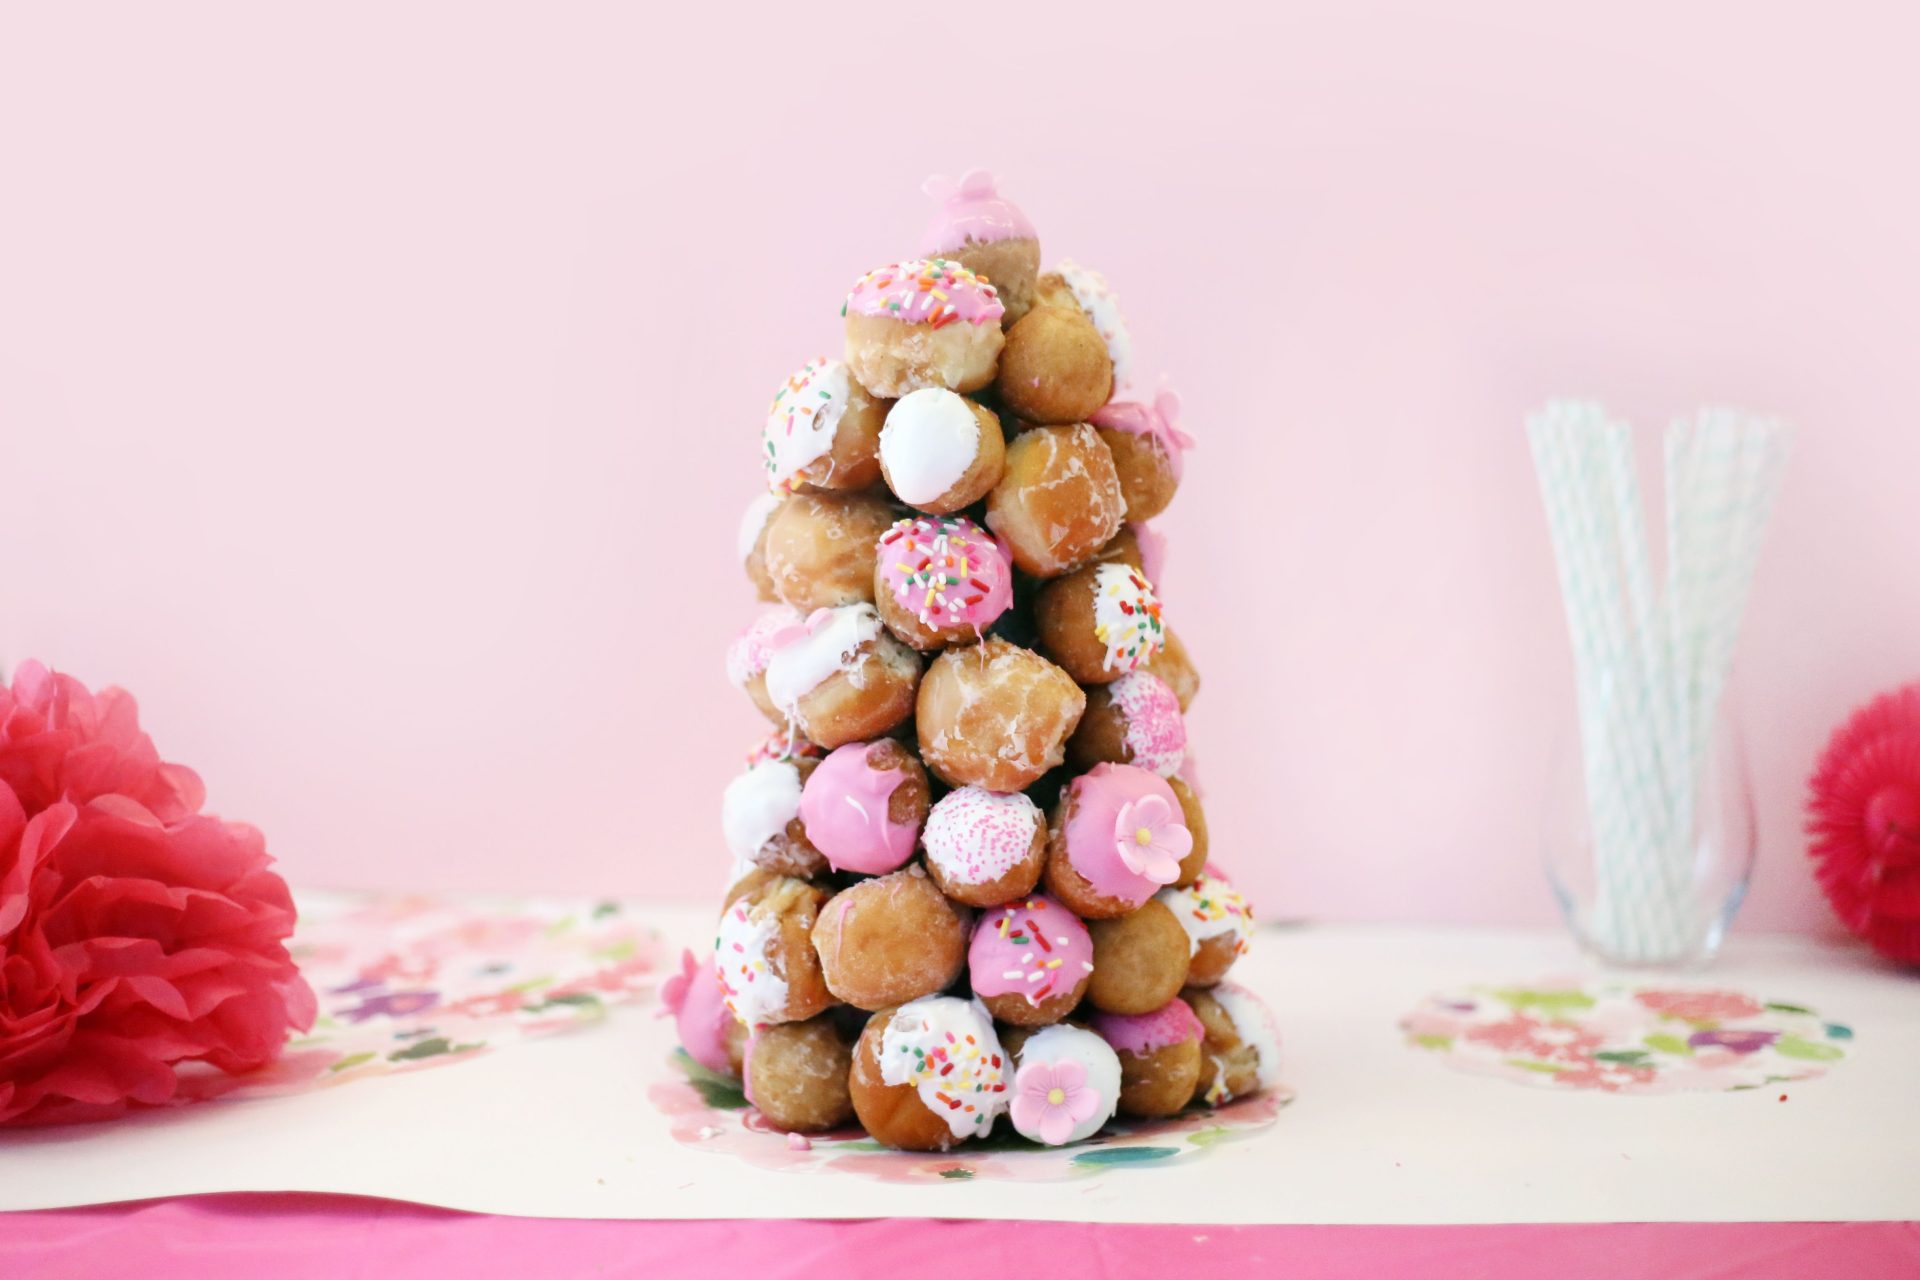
{"points": [[1661, 884]]}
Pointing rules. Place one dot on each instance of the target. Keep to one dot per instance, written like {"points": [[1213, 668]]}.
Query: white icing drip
{"points": [[1254, 1023], [1096, 299], [930, 439], [1185, 905], [1062, 1043], [803, 419], [755, 993], [918, 1030], [798, 667], [758, 805], [755, 518]]}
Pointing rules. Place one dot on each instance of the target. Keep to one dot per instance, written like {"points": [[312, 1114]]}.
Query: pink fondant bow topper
{"points": [[1160, 420], [793, 631], [974, 184], [1165, 424]]}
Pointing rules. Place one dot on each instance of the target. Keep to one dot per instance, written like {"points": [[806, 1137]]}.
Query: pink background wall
{"points": [[378, 389]]}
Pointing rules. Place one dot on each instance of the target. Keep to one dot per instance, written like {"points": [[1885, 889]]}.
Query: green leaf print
{"points": [[1781, 1007], [353, 1060], [956, 1174], [431, 1048], [1548, 1002], [1811, 1051], [1106, 1156], [1430, 1041], [1628, 1057], [1527, 1064], [1668, 1044], [721, 1095]]}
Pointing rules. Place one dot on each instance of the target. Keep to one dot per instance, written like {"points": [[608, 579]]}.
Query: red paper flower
{"points": [[1864, 818], [136, 933]]}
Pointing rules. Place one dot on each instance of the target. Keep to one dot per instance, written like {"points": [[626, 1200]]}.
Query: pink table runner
{"points": [[294, 1237]]}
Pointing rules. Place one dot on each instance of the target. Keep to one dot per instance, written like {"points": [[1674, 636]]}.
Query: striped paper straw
{"points": [[1651, 656]]}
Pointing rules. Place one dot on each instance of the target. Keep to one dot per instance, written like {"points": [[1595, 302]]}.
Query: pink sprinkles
{"points": [[976, 836]]}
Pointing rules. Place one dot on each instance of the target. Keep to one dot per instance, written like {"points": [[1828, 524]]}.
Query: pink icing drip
{"points": [[1161, 420], [972, 210], [947, 571], [1034, 947], [933, 291], [1156, 732], [1171, 1023], [699, 1007], [1098, 797], [844, 809]]}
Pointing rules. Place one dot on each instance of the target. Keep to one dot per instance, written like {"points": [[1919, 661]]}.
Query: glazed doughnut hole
{"points": [[1239, 1056], [929, 1075], [1099, 622], [796, 1075], [1218, 923], [1012, 265], [1030, 961], [940, 451], [1146, 471], [1139, 960], [1055, 368], [760, 816], [753, 543], [995, 715], [1160, 1058], [1173, 665], [984, 848], [863, 806], [822, 432], [1058, 500], [764, 953], [842, 677], [890, 940], [748, 654], [940, 580], [1113, 841], [1135, 720], [901, 337], [1195, 817], [820, 548]]}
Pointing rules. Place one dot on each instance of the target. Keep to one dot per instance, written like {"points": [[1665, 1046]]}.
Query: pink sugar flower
{"points": [[1053, 1097], [1152, 837]]}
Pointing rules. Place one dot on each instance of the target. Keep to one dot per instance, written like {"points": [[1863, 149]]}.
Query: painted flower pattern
{"points": [[1550, 1040], [1052, 1098], [1700, 1006], [408, 981], [1152, 837], [1614, 1038]]}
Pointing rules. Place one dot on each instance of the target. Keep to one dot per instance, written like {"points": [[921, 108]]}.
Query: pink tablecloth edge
{"points": [[296, 1236]]}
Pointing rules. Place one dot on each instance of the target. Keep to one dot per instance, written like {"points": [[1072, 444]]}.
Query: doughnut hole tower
{"points": [[971, 889]]}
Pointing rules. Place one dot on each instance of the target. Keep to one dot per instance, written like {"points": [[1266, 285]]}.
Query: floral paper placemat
{"points": [[708, 1112], [412, 981], [1622, 1038]]}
